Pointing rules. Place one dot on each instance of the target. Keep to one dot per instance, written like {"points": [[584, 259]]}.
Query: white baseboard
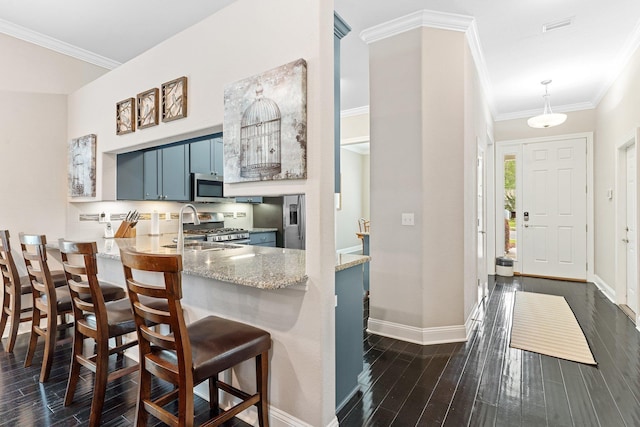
{"points": [[605, 288], [350, 250], [422, 336], [473, 318], [277, 417]]}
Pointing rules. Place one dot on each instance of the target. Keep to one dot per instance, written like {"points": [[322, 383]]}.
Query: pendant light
{"points": [[547, 119]]}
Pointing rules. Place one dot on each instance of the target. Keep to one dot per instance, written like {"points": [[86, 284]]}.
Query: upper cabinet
{"points": [[166, 173], [129, 176], [163, 173], [206, 157]]}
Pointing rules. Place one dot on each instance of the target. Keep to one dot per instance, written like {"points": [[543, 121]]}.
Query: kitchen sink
{"points": [[204, 246]]}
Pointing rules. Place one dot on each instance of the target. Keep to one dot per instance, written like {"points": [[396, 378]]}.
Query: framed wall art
{"points": [[147, 108], [265, 125], [174, 99], [82, 166], [125, 116]]}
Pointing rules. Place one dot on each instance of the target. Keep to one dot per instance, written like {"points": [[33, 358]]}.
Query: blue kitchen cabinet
{"points": [[263, 238], [166, 173], [130, 168], [207, 157]]}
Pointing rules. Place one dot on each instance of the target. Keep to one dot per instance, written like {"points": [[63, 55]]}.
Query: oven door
{"points": [[206, 188]]}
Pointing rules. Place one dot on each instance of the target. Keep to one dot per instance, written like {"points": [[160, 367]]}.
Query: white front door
{"points": [[553, 213], [482, 273], [632, 235]]}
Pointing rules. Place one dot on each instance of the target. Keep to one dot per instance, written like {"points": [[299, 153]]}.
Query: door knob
{"points": [[625, 240]]}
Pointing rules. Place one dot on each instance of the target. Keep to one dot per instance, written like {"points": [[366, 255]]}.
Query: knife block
{"points": [[126, 229]]}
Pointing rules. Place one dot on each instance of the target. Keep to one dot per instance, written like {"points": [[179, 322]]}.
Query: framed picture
{"points": [[174, 99], [147, 108], [125, 116], [265, 125], [82, 166]]}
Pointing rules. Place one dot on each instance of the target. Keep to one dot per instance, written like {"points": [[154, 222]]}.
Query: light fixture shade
{"points": [[547, 120]]}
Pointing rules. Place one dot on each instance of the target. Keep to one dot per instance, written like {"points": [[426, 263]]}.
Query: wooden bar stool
{"points": [[14, 287], [94, 319], [190, 354], [49, 302]]}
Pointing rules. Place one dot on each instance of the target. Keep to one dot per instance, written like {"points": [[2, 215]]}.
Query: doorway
{"points": [[481, 225], [547, 206], [626, 228]]}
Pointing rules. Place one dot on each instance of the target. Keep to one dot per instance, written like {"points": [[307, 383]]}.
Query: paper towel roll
{"points": [[155, 223]]}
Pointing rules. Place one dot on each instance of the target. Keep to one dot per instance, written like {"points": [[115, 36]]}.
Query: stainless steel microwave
{"points": [[207, 188]]}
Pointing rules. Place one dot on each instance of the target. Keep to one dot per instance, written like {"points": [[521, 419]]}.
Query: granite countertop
{"points": [[344, 261], [255, 266], [262, 230]]}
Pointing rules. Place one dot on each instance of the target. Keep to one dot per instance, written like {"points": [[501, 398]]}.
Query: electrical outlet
{"points": [[408, 219], [104, 217]]}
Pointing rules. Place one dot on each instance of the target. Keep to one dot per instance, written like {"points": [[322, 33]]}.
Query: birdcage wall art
{"points": [[260, 138], [265, 122]]}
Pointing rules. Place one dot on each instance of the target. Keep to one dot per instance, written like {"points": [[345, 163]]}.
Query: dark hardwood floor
{"points": [[24, 401], [483, 382]]}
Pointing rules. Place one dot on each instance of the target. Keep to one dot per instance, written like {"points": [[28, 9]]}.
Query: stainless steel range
{"points": [[212, 229]]}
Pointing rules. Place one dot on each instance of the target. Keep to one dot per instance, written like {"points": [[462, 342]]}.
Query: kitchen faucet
{"points": [[196, 221]]}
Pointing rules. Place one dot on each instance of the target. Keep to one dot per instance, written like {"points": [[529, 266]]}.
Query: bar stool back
{"points": [[49, 302], [189, 355], [13, 290], [97, 320]]}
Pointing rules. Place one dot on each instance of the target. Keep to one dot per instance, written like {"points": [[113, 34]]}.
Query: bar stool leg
{"points": [[74, 371], [5, 316], [49, 347], [14, 323], [213, 393], [100, 386], [144, 395], [262, 378], [33, 339]]}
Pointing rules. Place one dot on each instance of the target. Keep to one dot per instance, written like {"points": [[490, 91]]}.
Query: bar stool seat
{"points": [[218, 343]]}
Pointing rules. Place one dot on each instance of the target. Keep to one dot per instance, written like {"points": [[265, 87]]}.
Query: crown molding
{"points": [[56, 45], [355, 111], [626, 53], [421, 18], [340, 27], [567, 108]]}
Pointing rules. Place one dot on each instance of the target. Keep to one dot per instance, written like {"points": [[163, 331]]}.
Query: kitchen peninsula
{"points": [[261, 286], [253, 266]]}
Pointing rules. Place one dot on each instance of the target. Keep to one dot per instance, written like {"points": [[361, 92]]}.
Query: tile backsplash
{"points": [[82, 218]]}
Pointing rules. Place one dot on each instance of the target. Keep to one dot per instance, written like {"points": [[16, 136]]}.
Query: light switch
{"points": [[408, 219]]}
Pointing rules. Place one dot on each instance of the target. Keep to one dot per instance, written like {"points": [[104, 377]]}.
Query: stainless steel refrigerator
{"points": [[287, 214]]}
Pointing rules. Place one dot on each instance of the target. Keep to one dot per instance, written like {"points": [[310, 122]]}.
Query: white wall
{"points": [[417, 155], [423, 150], [353, 193], [31, 68], [617, 117], [237, 42], [34, 82], [33, 176], [478, 127]]}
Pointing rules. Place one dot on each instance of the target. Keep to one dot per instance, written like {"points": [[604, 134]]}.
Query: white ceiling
{"points": [[582, 59]]}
